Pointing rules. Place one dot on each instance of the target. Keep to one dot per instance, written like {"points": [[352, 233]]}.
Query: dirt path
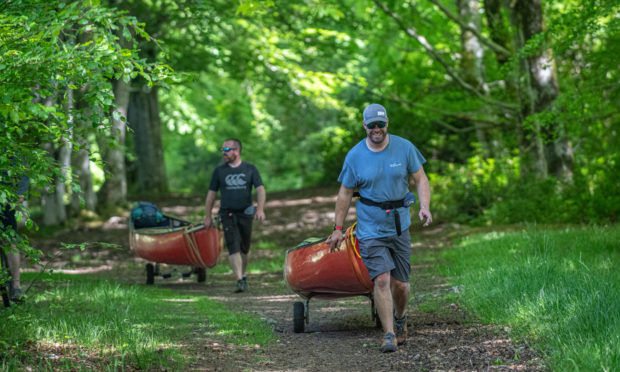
{"points": [[340, 336]]}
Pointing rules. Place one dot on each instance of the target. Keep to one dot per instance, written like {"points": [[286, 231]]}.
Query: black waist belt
{"points": [[390, 207], [228, 211]]}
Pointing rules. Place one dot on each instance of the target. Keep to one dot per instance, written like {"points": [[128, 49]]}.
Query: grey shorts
{"points": [[391, 254]]}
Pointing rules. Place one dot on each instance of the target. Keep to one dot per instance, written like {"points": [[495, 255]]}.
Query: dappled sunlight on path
{"points": [[340, 334]]}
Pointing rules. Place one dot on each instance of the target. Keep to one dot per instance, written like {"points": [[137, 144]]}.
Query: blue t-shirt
{"points": [[380, 176]]}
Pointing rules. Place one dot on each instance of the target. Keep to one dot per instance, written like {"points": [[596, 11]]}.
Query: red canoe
{"points": [[312, 271], [183, 244]]}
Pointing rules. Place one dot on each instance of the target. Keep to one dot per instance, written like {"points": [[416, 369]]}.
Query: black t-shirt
{"points": [[235, 185]]}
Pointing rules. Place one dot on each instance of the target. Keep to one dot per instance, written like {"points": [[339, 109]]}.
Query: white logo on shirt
{"points": [[395, 164], [235, 179]]}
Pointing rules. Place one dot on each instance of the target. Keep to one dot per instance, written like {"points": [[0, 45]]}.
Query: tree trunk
{"points": [[543, 88], [499, 32], [54, 212], [531, 148], [472, 63], [80, 166], [114, 189], [143, 117]]}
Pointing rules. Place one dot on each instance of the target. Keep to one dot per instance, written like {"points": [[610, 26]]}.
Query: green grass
{"points": [[558, 289], [273, 261], [79, 323]]}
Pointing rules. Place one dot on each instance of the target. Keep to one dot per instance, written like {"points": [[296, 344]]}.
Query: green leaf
{"points": [[14, 115]]}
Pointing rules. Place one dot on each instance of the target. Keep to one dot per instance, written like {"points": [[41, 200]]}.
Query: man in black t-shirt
{"points": [[234, 179]]}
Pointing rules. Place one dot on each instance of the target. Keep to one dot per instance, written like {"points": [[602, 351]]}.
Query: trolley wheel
{"points": [[150, 274], [298, 317], [202, 274]]}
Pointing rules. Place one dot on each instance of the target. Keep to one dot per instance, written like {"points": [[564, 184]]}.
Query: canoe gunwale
{"points": [[188, 226], [311, 243], [167, 230]]}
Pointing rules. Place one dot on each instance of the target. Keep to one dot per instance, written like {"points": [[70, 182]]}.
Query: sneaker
{"points": [[245, 284], [389, 344], [240, 286], [16, 294], [400, 326]]}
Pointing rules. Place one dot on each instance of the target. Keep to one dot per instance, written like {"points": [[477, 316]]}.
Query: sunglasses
{"points": [[379, 124], [226, 149]]}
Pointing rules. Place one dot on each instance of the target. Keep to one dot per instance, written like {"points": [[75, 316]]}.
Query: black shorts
{"points": [[237, 231]]}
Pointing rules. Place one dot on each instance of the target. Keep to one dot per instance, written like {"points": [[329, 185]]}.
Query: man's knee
{"points": [[400, 286], [382, 281]]}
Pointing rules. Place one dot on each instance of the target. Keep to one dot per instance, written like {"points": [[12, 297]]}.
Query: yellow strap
{"points": [[353, 240], [191, 240]]}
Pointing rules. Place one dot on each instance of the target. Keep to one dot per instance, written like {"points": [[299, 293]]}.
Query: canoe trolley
{"points": [[177, 242], [312, 271], [301, 313], [153, 270]]}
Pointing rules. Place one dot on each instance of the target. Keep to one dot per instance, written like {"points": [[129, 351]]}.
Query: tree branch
{"points": [[491, 121], [435, 56], [495, 47]]}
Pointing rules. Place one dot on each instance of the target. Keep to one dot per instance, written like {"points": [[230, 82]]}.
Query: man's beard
{"points": [[230, 158], [372, 136]]}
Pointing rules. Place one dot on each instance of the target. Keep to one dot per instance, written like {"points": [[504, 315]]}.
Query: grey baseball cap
{"points": [[375, 112]]}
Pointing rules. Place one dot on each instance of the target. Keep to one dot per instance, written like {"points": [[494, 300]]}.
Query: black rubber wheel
{"points": [[4, 288], [201, 273], [298, 317], [150, 274]]}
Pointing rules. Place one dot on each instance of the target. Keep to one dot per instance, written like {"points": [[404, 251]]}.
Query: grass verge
{"points": [[558, 289], [80, 323]]}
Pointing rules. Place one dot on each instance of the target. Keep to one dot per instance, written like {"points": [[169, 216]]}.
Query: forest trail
{"points": [[340, 336]]}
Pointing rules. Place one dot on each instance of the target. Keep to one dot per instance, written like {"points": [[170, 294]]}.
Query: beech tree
{"points": [[53, 54]]}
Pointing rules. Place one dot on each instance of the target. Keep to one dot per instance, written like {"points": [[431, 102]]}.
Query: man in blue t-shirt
{"points": [[234, 179], [381, 167]]}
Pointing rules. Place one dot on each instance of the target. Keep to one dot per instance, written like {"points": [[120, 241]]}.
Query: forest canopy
{"points": [[513, 103]]}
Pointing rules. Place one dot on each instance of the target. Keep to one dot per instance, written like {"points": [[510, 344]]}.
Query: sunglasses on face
{"points": [[226, 149], [379, 124]]}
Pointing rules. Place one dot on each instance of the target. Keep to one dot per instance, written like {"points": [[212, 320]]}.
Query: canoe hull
{"points": [[186, 245], [312, 271]]}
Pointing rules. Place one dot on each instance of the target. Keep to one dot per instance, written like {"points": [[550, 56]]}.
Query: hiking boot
{"points": [[245, 284], [240, 286], [400, 326], [389, 344], [16, 294]]}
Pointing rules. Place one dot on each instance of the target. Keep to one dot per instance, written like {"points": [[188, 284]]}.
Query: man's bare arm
{"points": [[210, 200], [423, 189], [343, 201], [261, 197]]}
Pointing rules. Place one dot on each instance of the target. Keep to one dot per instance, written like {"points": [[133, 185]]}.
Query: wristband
{"points": [[336, 227]]}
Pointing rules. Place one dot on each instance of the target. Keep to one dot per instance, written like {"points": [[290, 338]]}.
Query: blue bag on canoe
{"points": [[146, 214]]}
